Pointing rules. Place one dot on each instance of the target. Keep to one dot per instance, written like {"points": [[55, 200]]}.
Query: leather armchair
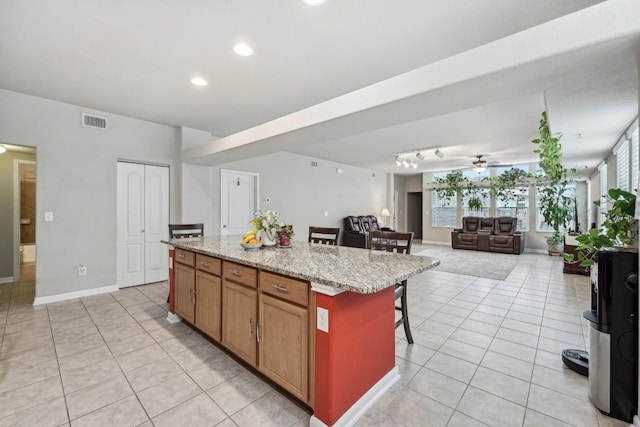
{"points": [[505, 238], [488, 234], [474, 233], [357, 228]]}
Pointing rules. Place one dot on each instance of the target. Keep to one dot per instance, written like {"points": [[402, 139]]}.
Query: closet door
{"points": [[143, 218], [156, 195]]}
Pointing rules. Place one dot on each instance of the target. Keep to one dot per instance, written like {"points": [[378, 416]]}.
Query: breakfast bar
{"points": [[317, 320]]}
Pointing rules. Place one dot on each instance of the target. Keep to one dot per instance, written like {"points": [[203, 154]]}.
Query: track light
{"points": [[419, 156], [405, 163], [439, 153], [414, 164], [398, 160]]}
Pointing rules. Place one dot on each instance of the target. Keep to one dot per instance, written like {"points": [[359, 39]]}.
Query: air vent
{"points": [[91, 121], [314, 164]]}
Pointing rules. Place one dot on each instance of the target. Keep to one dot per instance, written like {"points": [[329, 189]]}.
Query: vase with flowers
{"points": [[284, 236], [268, 224]]}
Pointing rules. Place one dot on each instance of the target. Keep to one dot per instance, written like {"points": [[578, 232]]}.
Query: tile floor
{"points": [[486, 352]]}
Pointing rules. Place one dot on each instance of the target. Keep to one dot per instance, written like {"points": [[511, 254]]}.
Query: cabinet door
{"points": [[185, 278], [208, 304], [283, 344], [239, 305]]}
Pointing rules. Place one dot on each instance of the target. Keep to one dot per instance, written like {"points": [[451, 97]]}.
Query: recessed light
{"points": [[243, 49], [199, 81], [314, 2]]}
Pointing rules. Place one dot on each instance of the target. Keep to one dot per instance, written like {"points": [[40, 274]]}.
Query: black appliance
{"points": [[613, 339]]}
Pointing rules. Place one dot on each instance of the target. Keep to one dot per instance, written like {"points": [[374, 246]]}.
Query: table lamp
{"points": [[385, 213]]}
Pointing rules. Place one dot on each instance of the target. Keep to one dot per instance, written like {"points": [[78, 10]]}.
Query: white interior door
{"points": [[156, 229], [143, 217], [238, 201]]}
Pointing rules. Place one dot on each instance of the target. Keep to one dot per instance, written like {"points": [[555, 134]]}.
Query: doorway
{"points": [[24, 214], [414, 214], [238, 200]]}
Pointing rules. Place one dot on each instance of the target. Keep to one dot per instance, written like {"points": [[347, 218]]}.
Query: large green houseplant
{"points": [[556, 199], [619, 228]]}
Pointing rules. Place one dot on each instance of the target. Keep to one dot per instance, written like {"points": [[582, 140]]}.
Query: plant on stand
{"points": [[556, 198], [268, 224], [620, 228]]}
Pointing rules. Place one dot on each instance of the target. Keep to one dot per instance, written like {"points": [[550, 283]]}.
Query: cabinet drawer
{"points": [[209, 264], [185, 257], [240, 273], [296, 291]]}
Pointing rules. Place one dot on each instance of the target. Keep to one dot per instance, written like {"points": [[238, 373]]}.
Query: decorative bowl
{"points": [[251, 246]]}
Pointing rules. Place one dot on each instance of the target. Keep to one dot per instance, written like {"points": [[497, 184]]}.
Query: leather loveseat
{"points": [[488, 234], [356, 230]]}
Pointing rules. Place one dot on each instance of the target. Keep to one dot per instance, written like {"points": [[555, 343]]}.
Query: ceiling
{"points": [[333, 81]]}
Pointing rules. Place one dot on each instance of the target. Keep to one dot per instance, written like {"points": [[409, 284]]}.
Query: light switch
{"points": [[48, 216], [326, 213], [322, 319]]}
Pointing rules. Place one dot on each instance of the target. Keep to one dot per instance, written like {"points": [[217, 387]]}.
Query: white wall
{"points": [[76, 170], [299, 192]]}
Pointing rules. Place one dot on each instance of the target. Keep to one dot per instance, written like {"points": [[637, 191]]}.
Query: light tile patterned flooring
{"points": [[486, 352]]}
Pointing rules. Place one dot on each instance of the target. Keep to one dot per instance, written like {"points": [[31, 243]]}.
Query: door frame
{"points": [[16, 215], [223, 200]]}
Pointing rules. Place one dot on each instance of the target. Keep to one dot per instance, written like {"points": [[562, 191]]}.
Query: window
{"points": [[517, 207], [502, 169], [443, 212], [485, 198], [603, 190], [621, 151], [635, 158], [475, 176]]}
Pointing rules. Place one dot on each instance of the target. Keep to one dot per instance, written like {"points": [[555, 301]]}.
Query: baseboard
{"points": [[71, 295], [536, 251], [437, 243], [7, 279], [365, 402], [636, 421]]}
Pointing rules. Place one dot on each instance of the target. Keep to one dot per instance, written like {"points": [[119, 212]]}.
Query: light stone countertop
{"points": [[352, 269]]}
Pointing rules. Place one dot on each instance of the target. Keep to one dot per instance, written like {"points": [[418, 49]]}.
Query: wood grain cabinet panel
{"points": [[239, 305], [209, 304], [283, 344], [184, 291]]}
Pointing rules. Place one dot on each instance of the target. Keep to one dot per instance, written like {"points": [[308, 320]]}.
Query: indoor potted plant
{"points": [[268, 224], [556, 198], [284, 236], [619, 228]]}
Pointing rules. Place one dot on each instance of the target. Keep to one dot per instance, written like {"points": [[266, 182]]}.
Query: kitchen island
{"points": [[317, 320]]}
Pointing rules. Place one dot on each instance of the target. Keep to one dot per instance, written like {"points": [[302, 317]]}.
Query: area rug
{"points": [[473, 263]]}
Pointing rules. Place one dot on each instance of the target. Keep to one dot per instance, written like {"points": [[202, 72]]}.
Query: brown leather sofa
{"points": [[488, 234], [356, 230]]}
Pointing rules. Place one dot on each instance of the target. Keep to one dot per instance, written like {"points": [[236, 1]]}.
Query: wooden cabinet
{"points": [[184, 290], [198, 291], [261, 317], [239, 320], [208, 315], [283, 335]]}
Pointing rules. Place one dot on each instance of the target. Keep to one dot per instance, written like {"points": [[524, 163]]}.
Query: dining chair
{"points": [[393, 241], [178, 231], [324, 235], [182, 231]]}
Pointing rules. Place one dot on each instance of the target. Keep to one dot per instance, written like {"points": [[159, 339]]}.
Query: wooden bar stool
{"points": [[324, 235], [392, 241]]}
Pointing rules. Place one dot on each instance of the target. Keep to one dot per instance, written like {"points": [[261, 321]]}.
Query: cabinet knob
{"points": [[204, 263], [236, 272]]}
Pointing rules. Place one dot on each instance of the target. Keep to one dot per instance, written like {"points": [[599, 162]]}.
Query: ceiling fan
{"points": [[480, 165]]}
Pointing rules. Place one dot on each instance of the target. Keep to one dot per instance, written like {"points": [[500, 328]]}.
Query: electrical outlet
{"points": [[326, 213], [322, 319], [82, 270], [48, 216]]}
